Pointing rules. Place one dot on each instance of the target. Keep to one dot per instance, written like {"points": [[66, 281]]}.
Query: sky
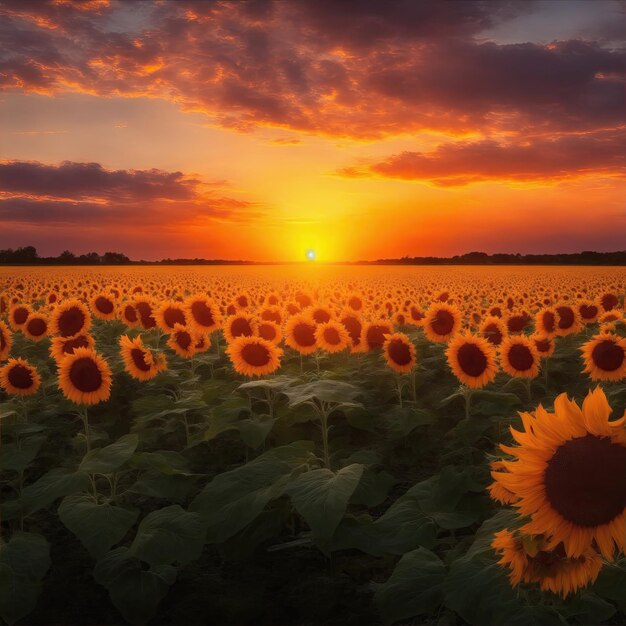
{"points": [[259, 130]]}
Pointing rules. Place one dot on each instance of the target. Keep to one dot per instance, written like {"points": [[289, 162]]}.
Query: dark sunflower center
{"points": [[71, 321], [399, 352], [376, 335], [104, 305], [516, 323], [548, 321], [520, 357], [493, 334], [267, 332], [202, 313], [443, 323], [20, 315], [416, 314], [543, 345], [566, 317], [36, 327], [609, 301], [130, 313], [355, 303], [354, 327], [3, 341], [255, 354], [472, 359], [321, 316], [585, 481], [174, 316], [241, 328], [85, 375], [331, 336], [304, 334], [588, 311], [608, 355], [183, 339], [20, 377], [137, 355], [271, 316]]}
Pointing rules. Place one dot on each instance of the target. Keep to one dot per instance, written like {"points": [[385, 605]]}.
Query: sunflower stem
{"points": [[399, 389], [414, 384], [546, 361], [467, 395], [324, 420], [85, 419]]}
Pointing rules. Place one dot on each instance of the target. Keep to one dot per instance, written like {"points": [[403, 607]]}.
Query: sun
{"points": [[310, 255]]}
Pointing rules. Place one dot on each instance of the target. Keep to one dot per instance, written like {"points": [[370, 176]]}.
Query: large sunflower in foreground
{"points": [[300, 333], [568, 475], [69, 319], [36, 327], [19, 378], [532, 561], [61, 347], [254, 356], [442, 321], [519, 357], [605, 357], [139, 361], [472, 360], [203, 313], [399, 352], [332, 336], [85, 377]]}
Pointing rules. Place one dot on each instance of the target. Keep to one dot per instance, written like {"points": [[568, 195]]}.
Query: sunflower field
{"points": [[310, 445]]}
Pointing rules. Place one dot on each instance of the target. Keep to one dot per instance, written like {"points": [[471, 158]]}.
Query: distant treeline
{"points": [[28, 256], [482, 258]]}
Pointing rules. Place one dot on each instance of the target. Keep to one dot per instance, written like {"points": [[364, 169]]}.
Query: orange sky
{"points": [[258, 130]]}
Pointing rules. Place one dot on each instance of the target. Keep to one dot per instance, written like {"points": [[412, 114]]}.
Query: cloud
{"points": [[87, 195], [361, 71], [547, 159]]}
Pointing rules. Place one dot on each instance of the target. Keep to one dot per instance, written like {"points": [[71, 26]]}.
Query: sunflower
{"points": [[546, 322], [355, 302], [139, 361], [6, 341], [202, 313], [472, 360], [129, 315], [61, 347], [69, 319], [416, 315], [373, 334], [239, 325], [442, 321], [605, 357], [493, 329], [532, 561], [254, 356], [103, 306], [36, 327], [18, 377], [169, 314], [609, 301], [352, 323], [145, 308], [519, 357], [18, 314], [332, 336], [203, 343], [85, 377], [269, 330], [588, 311], [399, 352], [300, 333], [568, 473], [320, 314], [568, 320], [544, 345], [182, 341]]}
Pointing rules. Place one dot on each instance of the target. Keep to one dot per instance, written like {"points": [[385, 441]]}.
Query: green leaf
{"points": [[277, 382], [24, 561], [163, 461], [170, 535], [110, 458], [321, 497], [233, 499], [414, 588], [254, 431], [332, 391], [401, 421], [611, 583], [373, 488], [135, 592], [97, 526], [52, 485], [16, 456], [173, 487]]}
